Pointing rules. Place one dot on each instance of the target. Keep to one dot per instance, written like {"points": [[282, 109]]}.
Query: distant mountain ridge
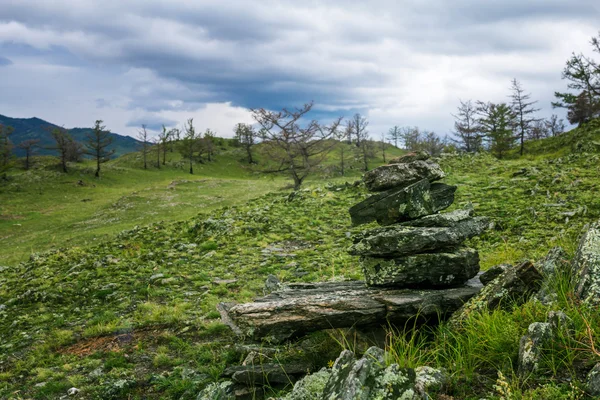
{"points": [[36, 128]]}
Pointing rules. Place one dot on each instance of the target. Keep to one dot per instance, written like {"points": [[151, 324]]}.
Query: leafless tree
{"points": [[246, 136], [163, 141], [357, 131], [144, 144], [297, 147], [28, 146], [395, 135], [555, 126], [62, 142], [383, 146]]}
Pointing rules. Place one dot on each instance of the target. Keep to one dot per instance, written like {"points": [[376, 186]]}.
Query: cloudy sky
{"points": [[404, 62]]}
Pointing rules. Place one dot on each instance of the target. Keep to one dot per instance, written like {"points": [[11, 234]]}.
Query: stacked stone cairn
{"points": [[416, 247]]}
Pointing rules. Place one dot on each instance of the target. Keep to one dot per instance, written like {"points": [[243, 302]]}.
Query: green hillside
{"points": [[35, 128], [134, 316]]}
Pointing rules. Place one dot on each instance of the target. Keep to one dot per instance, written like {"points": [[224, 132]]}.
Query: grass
{"points": [[131, 313]]}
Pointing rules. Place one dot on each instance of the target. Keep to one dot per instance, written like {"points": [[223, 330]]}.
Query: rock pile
{"points": [[415, 264], [417, 247]]}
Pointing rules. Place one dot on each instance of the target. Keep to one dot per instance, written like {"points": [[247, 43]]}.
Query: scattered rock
{"points": [[532, 345], [224, 281], [310, 387], [218, 391], [493, 272], [353, 379], [272, 284], [401, 175], [410, 157], [402, 204], [514, 286], [402, 240], [73, 391], [433, 270], [586, 266], [593, 381], [306, 307], [430, 380], [266, 374], [560, 322], [156, 277]]}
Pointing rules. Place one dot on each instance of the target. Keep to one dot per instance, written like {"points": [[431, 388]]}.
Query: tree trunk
{"points": [[365, 159], [342, 161], [250, 160]]}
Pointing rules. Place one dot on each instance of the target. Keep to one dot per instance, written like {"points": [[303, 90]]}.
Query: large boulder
{"points": [[493, 272], [395, 241], [514, 286], [433, 270], [587, 266], [266, 373], [552, 266], [304, 308], [401, 175], [402, 204]]}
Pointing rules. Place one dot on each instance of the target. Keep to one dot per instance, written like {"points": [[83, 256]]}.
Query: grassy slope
{"points": [[135, 316]]}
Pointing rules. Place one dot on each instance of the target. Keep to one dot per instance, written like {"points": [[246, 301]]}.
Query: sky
{"points": [[402, 62]]}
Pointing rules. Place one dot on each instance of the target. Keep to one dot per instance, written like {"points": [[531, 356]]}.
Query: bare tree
{"points": [[163, 141], [208, 144], [246, 136], [28, 146], [466, 127], [555, 126], [188, 145], [156, 141], [62, 142], [97, 145], [523, 110], [357, 129], [431, 143], [144, 144], [298, 148], [411, 137], [383, 146], [395, 135], [5, 148]]}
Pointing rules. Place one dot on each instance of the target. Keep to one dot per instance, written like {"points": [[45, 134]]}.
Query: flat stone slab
{"points": [[401, 175], [266, 373], [429, 270], [396, 205], [586, 266], [441, 220], [394, 241], [305, 308]]}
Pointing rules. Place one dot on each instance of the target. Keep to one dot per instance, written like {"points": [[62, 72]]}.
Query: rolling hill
{"points": [[36, 128]]}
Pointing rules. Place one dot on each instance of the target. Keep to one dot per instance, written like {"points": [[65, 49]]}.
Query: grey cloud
{"points": [[152, 122], [5, 61]]}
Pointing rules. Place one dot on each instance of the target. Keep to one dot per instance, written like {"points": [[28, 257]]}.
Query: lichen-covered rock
{"points": [[432, 270], [410, 157], [218, 391], [551, 266], [310, 387], [401, 175], [406, 203], [395, 383], [532, 345], [560, 322], [593, 381], [493, 272], [304, 308], [587, 266], [266, 373], [394, 241], [442, 220], [514, 286], [429, 380]]}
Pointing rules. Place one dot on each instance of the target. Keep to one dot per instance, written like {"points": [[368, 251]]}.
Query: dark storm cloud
{"points": [[345, 55]]}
